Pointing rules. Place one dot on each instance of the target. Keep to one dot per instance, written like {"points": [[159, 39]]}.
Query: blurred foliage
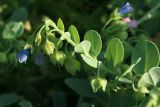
{"points": [[43, 86]]}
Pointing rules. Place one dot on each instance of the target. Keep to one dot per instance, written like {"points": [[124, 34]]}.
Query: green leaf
{"points": [[72, 65], [130, 69], [12, 59], [128, 48], [60, 24], [96, 42], [122, 35], [25, 103], [8, 99], [80, 86], [74, 34], [150, 78], [20, 14], [20, 44], [3, 57], [149, 54], [13, 30], [83, 47], [90, 60], [66, 36], [115, 52]]}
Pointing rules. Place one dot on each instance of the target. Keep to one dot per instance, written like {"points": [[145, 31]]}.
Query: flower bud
{"points": [[58, 57], [38, 38], [22, 56], [131, 23], [143, 90], [98, 83], [126, 20], [48, 47]]}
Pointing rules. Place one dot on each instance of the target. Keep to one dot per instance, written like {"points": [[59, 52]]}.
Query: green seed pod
{"points": [[48, 47]]}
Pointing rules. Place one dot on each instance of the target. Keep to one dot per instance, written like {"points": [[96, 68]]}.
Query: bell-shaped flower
{"points": [[23, 55], [39, 58], [127, 8]]}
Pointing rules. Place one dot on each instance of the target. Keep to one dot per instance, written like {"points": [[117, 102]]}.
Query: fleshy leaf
{"points": [[96, 42], [149, 54], [115, 52], [74, 34]]}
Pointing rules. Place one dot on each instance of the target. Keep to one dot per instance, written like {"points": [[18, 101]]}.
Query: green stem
{"points": [[9, 48], [109, 71], [72, 43], [79, 101], [98, 68], [57, 30], [112, 19], [148, 15]]}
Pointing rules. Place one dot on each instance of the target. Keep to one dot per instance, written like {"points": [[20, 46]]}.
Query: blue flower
{"points": [[23, 55], [127, 8], [39, 58]]}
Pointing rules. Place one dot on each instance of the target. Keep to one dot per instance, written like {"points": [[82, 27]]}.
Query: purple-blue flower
{"points": [[39, 58], [127, 8], [23, 55]]}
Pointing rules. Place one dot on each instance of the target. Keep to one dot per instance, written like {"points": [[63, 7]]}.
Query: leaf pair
{"points": [[90, 48]]}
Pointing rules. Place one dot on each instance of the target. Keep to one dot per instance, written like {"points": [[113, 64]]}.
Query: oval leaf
{"points": [[115, 52], [83, 47], [74, 34], [90, 60], [96, 42], [13, 30], [149, 54], [78, 86], [150, 78], [60, 24], [20, 14], [25, 103], [8, 99]]}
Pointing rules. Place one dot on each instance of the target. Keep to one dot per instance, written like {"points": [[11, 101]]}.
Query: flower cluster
{"points": [[127, 8]]}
